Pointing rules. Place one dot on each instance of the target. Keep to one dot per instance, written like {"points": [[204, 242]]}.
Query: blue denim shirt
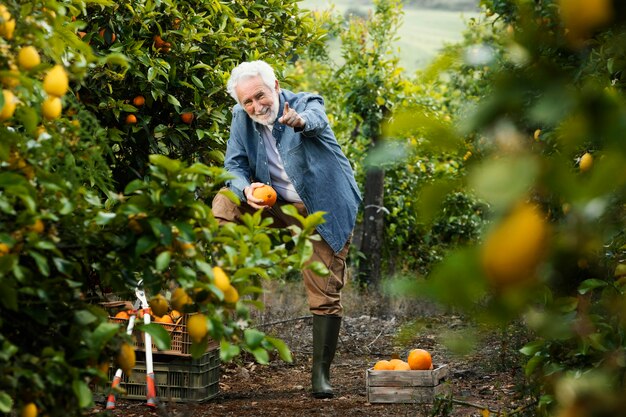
{"points": [[313, 160]]}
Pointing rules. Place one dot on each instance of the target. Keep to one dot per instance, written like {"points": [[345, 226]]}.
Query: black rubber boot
{"points": [[325, 335]]}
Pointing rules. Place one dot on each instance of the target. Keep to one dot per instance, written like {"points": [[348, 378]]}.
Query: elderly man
{"points": [[283, 139]]}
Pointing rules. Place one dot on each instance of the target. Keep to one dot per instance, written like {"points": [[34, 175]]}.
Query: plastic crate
{"points": [[180, 341], [178, 379]]}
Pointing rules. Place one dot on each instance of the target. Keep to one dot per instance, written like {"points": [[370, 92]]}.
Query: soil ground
{"points": [[487, 378]]}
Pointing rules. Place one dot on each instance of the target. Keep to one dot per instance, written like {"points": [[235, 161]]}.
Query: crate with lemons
{"points": [[178, 376], [414, 380]]}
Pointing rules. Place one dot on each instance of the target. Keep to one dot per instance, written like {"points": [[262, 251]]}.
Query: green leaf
{"points": [[504, 180], [165, 162], [145, 244], [41, 261], [160, 336], [103, 218], [591, 284], [83, 393], [261, 355], [8, 296], [133, 186], [281, 347], [102, 334], [163, 260], [228, 351], [531, 348], [84, 317], [253, 337], [318, 268], [6, 402], [173, 101]]}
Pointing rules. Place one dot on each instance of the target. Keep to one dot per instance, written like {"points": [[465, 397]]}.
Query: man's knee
{"points": [[224, 209]]}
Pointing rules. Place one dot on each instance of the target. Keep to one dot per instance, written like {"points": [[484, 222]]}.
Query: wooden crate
{"points": [[406, 386]]}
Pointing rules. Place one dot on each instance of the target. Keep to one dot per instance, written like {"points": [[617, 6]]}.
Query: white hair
{"points": [[248, 70]]}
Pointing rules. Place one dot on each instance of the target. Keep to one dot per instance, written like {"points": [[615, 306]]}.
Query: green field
{"points": [[423, 32]]}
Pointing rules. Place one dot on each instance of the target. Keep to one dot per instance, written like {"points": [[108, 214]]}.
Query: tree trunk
{"points": [[373, 226]]}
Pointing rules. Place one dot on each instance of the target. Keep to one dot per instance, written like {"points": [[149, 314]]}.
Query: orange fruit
{"points": [[419, 359], [187, 117], [383, 365], [139, 101], [400, 365], [131, 119], [103, 34], [4, 249], [166, 318], [29, 410], [158, 42], [265, 193], [175, 315], [122, 315]]}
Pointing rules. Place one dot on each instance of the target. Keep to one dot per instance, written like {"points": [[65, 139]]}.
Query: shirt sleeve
{"points": [[236, 162], [314, 115]]}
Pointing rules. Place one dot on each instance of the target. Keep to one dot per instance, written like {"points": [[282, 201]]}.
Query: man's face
{"points": [[258, 100]]}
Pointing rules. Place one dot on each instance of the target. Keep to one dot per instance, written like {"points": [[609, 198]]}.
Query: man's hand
{"points": [[291, 118], [254, 202]]}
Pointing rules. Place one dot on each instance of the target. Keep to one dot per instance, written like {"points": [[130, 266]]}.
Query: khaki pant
{"points": [[323, 293]]}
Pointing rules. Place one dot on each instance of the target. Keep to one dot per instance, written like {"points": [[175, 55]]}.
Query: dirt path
{"points": [[488, 378]]}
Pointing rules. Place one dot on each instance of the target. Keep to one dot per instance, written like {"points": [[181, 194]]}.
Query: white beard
{"points": [[270, 113]]}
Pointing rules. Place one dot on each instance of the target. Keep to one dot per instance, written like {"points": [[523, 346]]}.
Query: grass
{"points": [[422, 34]]}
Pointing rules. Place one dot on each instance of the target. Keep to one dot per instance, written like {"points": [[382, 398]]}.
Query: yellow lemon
{"points": [[231, 295], [126, 358], [29, 410], [38, 226], [180, 299], [28, 58], [196, 327], [4, 249], [51, 108], [7, 27], [580, 17], [221, 280], [56, 82], [586, 162], [9, 105], [12, 79], [514, 249], [158, 304]]}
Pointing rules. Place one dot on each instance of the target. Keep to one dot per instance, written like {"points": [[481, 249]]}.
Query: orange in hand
{"points": [[265, 193]]}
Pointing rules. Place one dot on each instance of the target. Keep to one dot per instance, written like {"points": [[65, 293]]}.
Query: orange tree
{"points": [[171, 98], [546, 138], [67, 230]]}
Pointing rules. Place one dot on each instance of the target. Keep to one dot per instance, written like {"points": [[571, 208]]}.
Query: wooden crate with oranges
{"points": [[415, 380]]}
